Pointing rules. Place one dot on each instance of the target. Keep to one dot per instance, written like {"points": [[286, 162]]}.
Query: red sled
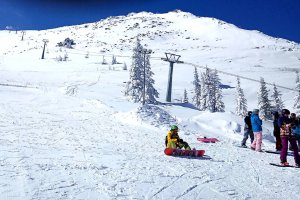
{"points": [[208, 140], [182, 152]]}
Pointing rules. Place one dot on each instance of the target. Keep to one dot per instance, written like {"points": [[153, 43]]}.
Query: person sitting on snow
{"points": [[174, 141]]}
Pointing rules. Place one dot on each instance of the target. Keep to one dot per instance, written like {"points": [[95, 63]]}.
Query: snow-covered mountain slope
{"points": [[199, 40], [68, 132]]}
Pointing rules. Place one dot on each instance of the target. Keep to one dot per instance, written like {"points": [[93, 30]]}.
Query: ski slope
{"points": [[68, 131]]}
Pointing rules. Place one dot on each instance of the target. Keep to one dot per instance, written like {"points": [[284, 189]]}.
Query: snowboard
{"points": [[279, 165], [208, 140], [182, 152]]}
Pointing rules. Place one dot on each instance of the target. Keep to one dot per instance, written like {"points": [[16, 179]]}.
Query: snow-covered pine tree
{"points": [[219, 104], [277, 103], [185, 97], [151, 92], [124, 66], [203, 94], [104, 61], [297, 97], [197, 89], [134, 87], [264, 105], [66, 56], [205, 82], [241, 101], [87, 55], [211, 94], [114, 60]]}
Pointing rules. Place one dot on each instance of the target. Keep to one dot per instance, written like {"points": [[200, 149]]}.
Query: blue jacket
{"points": [[256, 123], [283, 120]]}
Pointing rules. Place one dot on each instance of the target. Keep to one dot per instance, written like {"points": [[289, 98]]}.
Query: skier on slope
{"points": [[173, 140], [284, 122], [247, 130]]}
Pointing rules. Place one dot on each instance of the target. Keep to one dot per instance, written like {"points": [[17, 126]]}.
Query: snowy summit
{"points": [[70, 128]]}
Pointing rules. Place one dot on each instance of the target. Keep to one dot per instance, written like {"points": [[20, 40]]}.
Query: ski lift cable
{"points": [[192, 64], [235, 75]]}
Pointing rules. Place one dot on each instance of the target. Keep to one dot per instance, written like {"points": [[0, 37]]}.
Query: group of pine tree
{"points": [[265, 104], [207, 91]]}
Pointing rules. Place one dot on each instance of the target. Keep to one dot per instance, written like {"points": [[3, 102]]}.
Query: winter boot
{"points": [[285, 164]]}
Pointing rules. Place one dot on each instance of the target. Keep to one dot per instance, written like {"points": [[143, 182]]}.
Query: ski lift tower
{"points": [[45, 43], [171, 58]]}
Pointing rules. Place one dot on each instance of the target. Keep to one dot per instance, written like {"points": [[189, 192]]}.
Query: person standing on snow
{"points": [[276, 130], [173, 140], [247, 130], [294, 124], [296, 130], [284, 122], [256, 123]]}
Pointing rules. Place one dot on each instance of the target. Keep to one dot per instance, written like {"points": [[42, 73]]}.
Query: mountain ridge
{"points": [[202, 41]]}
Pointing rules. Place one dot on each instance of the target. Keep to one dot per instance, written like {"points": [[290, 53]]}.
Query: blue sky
{"points": [[278, 18]]}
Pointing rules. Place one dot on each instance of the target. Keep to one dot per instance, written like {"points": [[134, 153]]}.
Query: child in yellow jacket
{"points": [[174, 141]]}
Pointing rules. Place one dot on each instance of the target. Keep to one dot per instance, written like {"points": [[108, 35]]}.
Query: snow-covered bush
{"points": [[68, 43]]}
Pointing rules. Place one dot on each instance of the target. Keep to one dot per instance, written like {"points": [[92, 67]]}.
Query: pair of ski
{"points": [[183, 152], [279, 165], [278, 152]]}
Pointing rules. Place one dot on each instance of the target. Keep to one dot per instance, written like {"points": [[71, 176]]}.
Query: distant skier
{"points": [[256, 123], [173, 140], [247, 129], [284, 122], [276, 130]]}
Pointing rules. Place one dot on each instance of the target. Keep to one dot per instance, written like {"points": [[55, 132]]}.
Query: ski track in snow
{"points": [[66, 152]]}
